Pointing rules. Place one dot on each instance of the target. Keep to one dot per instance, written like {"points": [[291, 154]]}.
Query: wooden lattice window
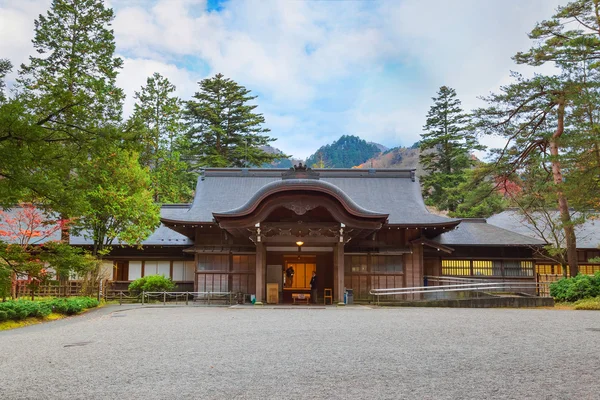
{"points": [[456, 267]]}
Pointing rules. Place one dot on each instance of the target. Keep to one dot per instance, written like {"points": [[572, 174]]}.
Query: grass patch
{"points": [[588, 304], [6, 325]]}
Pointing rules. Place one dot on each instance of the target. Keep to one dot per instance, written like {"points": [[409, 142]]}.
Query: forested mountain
{"points": [[282, 163], [346, 152], [397, 157]]}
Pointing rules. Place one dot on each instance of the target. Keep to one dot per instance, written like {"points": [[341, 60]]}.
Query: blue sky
{"points": [[321, 69]]}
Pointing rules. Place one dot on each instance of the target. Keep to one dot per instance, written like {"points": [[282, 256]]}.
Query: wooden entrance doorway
{"points": [[297, 273]]}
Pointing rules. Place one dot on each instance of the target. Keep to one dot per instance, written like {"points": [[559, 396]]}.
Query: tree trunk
{"points": [[563, 204], [13, 285]]}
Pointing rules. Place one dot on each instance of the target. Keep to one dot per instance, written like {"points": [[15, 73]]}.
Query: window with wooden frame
{"points": [[589, 269], [389, 264], [483, 268], [517, 268], [213, 262], [355, 263], [456, 267]]}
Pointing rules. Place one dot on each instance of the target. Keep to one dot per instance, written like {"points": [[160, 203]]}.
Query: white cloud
{"points": [[136, 71], [322, 69], [16, 30]]}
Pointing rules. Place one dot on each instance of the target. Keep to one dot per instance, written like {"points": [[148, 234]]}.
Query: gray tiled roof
{"points": [[390, 192], [588, 233], [161, 236], [311, 184], [476, 232]]}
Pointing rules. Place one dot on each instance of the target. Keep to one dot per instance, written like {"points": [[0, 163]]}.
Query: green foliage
{"points": [[66, 259], [21, 309], [346, 152], [445, 149], [5, 68], [576, 288], [66, 97], [223, 128], [119, 202], [587, 304], [159, 114], [151, 283], [171, 180], [476, 196], [5, 281], [73, 305], [73, 72]]}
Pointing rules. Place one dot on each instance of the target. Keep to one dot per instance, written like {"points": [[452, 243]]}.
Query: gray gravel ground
{"points": [[205, 353]]}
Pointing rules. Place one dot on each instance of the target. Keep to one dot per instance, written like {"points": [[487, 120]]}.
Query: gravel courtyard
{"points": [[205, 353]]}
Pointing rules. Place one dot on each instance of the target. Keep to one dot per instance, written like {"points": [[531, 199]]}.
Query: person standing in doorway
{"points": [[313, 287]]}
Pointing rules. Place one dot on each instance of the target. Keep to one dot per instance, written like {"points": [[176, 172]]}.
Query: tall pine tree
{"points": [[158, 112], [223, 128], [553, 120], [69, 88], [445, 149]]}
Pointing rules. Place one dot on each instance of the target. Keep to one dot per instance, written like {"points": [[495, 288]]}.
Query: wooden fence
{"points": [[57, 289]]}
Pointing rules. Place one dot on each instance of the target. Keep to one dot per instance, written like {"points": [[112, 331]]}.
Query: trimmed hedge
{"points": [[21, 309], [576, 288], [73, 305], [151, 283]]}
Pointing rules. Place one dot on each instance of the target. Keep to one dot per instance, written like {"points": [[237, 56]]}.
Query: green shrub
{"points": [[21, 309], [73, 305], [151, 283], [576, 288], [588, 304]]}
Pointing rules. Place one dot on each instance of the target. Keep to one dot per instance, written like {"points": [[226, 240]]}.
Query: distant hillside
{"points": [[283, 163], [397, 157], [346, 152], [381, 147]]}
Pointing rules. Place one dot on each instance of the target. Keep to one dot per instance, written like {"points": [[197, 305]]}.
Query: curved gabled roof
{"points": [[381, 191], [309, 185]]}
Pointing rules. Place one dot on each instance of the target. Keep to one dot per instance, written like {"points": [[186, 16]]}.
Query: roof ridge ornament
{"points": [[300, 172]]}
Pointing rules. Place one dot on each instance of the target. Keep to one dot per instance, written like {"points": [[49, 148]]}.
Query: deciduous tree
{"points": [[119, 205]]}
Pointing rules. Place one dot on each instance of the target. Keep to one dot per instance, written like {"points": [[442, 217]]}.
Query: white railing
{"points": [[208, 296], [473, 285]]}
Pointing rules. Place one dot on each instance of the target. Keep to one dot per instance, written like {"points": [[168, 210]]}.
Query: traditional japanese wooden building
{"points": [[252, 229]]}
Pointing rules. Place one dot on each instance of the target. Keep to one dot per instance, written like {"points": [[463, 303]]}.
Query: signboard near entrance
{"points": [[274, 274]]}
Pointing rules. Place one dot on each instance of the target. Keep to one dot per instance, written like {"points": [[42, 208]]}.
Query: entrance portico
{"points": [[310, 211]]}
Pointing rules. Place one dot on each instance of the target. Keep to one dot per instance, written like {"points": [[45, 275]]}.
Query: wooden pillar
{"points": [[261, 258], [338, 272]]}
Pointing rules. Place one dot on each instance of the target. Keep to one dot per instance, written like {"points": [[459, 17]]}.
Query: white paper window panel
{"points": [[150, 268], [107, 270], [190, 271], [178, 271], [183, 271], [135, 270], [164, 268]]}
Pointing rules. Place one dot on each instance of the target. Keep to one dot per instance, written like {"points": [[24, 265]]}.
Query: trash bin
{"points": [[349, 296]]}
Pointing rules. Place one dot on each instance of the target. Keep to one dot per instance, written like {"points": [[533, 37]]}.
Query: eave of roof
{"points": [[308, 185], [477, 232], [383, 191]]}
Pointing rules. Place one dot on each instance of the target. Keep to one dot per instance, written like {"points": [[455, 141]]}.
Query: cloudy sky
{"points": [[321, 68]]}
